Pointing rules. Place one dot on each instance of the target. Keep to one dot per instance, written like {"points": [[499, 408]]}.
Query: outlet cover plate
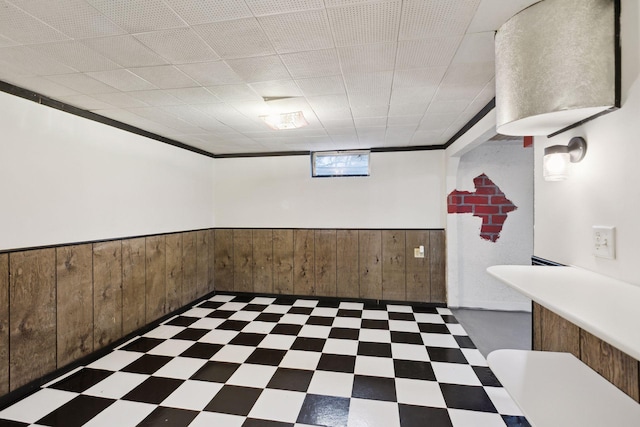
{"points": [[604, 241]]}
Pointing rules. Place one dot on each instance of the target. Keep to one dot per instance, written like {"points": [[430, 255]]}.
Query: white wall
{"points": [[509, 166], [405, 190], [67, 179], [604, 189]]}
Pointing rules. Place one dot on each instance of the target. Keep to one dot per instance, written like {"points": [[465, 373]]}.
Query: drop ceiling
{"points": [[366, 74]]}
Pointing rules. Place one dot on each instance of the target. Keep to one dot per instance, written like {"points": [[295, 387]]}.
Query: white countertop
{"points": [[605, 307], [557, 389]]}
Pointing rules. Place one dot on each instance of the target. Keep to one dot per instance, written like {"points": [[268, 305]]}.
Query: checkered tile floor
{"points": [[254, 361]]}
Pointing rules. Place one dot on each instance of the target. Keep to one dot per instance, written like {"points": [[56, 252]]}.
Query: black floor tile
{"points": [[234, 400], [218, 372], [266, 356], [328, 304], [247, 339], [513, 421], [170, 417], [449, 355], [81, 380], [464, 341], [147, 364], [291, 379], [406, 337], [284, 301], [375, 324], [349, 313], [376, 388], [269, 317], [370, 305], [254, 422], [142, 344], [319, 320], [433, 328], [254, 307], [449, 318], [337, 363], [243, 298], [233, 325], [221, 314], [191, 334], [327, 411], [182, 321], [470, 398], [202, 350], [401, 316], [486, 377], [344, 333], [76, 412], [308, 344], [300, 310], [153, 390], [414, 370], [286, 329], [424, 309], [211, 304], [421, 416], [374, 349], [9, 423]]}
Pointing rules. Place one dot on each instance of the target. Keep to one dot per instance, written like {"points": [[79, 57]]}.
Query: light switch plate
{"points": [[418, 252], [604, 241]]}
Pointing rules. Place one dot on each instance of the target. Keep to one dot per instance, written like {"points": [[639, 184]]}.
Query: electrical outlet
{"points": [[418, 252], [604, 241]]}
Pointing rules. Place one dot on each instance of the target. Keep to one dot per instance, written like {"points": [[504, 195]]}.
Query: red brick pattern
{"points": [[487, 202]]}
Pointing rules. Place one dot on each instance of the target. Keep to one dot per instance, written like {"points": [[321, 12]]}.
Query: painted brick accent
{"points": [[487, 202]]}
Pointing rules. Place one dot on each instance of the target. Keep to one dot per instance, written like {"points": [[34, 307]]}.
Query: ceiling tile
{"points": [[427, 138], [435, 18], [42, 85], [86, 102], [437, 122], [369, 110], [401, 109], [259, 68], [125, 50], [194, 95], [457, 93], [339, 126], [363, 99], [365, 23], [239, 92], [178, 46], [25, 62], [211, 73], [157, 114], [21, 27], [272, 7], [82, 83], [330, 107], [426, 53], [236, 39], [321, 86], [277, 88], [75, 55], [5, 42], [406, 121], [375, 83], [370, 122], [140, 15], [418, 77], [367, 58], [120, 100], [165, 77], [491, 14], [300, 31], [156, 98], [399, 136], [201, 12], [123, 80], [75, 18], [478, 47], [413, 95], [448, 107], [463, 74], [315, 63]]}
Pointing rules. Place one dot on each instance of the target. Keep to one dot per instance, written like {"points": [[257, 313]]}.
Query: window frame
{"points": [[316, 154]]}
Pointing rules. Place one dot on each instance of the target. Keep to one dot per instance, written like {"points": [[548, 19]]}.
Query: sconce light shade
{"points": [[285, 121], [556, 66], [555, 164]]}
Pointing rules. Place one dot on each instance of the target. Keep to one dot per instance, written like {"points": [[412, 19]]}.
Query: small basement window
{"points": [[340, 163]]}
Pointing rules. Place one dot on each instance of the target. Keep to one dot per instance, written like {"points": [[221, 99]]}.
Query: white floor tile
{"points": [[338, 346], [218, 336], [331, 384], [122, 413], [281, 342], [233, 353], [180, 368], [171, 348], [246, 316], [442, 310], [207, 323], [193, 395], [278, 309], [232, 306], [456, 329], [345, 305], [369, 413], [502, 401], [374, 366], [403, 326], [462, 418], [36, 406], [409, 352], [257, 327], [164, 331], [439, 340], [375, 335], [249, 375], [294, 319], [421, 393], [305, 303], [399, 308], [115, 360], [197, 312], [428, 318], [209, 419], [116, 385], [474, 357], [278, 405], [262, 300], [325, 312], [315, 331], [347, 322], [455, 373], [221, 298], [375, 314], [301, 359]]}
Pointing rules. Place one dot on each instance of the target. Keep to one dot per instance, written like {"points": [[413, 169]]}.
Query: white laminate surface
{"points": [[605, 307], [557, 389]]}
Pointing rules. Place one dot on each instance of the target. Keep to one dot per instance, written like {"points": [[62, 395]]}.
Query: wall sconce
{"points": [[555, 164]]}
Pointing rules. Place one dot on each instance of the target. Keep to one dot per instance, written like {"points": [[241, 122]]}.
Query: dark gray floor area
{"points": [[492, 330]]}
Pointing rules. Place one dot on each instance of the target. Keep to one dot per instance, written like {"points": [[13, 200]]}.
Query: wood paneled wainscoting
{"points": [[552, 332], [367, 264]]}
